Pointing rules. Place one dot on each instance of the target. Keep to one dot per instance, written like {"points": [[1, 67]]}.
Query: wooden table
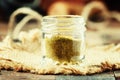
{"points": [[12, 75]]}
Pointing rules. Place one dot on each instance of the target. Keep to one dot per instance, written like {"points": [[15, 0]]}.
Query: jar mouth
{"points": [[62, 22], [63, 16]]}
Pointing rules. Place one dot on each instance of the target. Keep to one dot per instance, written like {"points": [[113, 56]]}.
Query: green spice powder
{"points": [[62, 48]]}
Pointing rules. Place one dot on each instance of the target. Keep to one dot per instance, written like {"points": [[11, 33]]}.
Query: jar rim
{"points": [[63, 16], [63, 21], [67, 16]]}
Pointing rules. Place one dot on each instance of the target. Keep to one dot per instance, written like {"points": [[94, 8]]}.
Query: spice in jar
{"points": [[62, 48]]}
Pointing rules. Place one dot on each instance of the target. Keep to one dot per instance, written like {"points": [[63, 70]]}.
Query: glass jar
{"points": [[64, 37]]}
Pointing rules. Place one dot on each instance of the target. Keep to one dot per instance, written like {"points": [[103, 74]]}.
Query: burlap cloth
{"points": [[28, 57]]}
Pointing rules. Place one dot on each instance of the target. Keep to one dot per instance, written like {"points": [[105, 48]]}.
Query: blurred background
{"points": [[97, 13], [52, 7]]}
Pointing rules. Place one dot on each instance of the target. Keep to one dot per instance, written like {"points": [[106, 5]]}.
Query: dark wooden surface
{"points": [[12, 75]]}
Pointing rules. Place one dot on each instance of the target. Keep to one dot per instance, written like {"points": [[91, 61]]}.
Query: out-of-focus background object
{"points": [[8, 6], [55, 7], [102, 16]]}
